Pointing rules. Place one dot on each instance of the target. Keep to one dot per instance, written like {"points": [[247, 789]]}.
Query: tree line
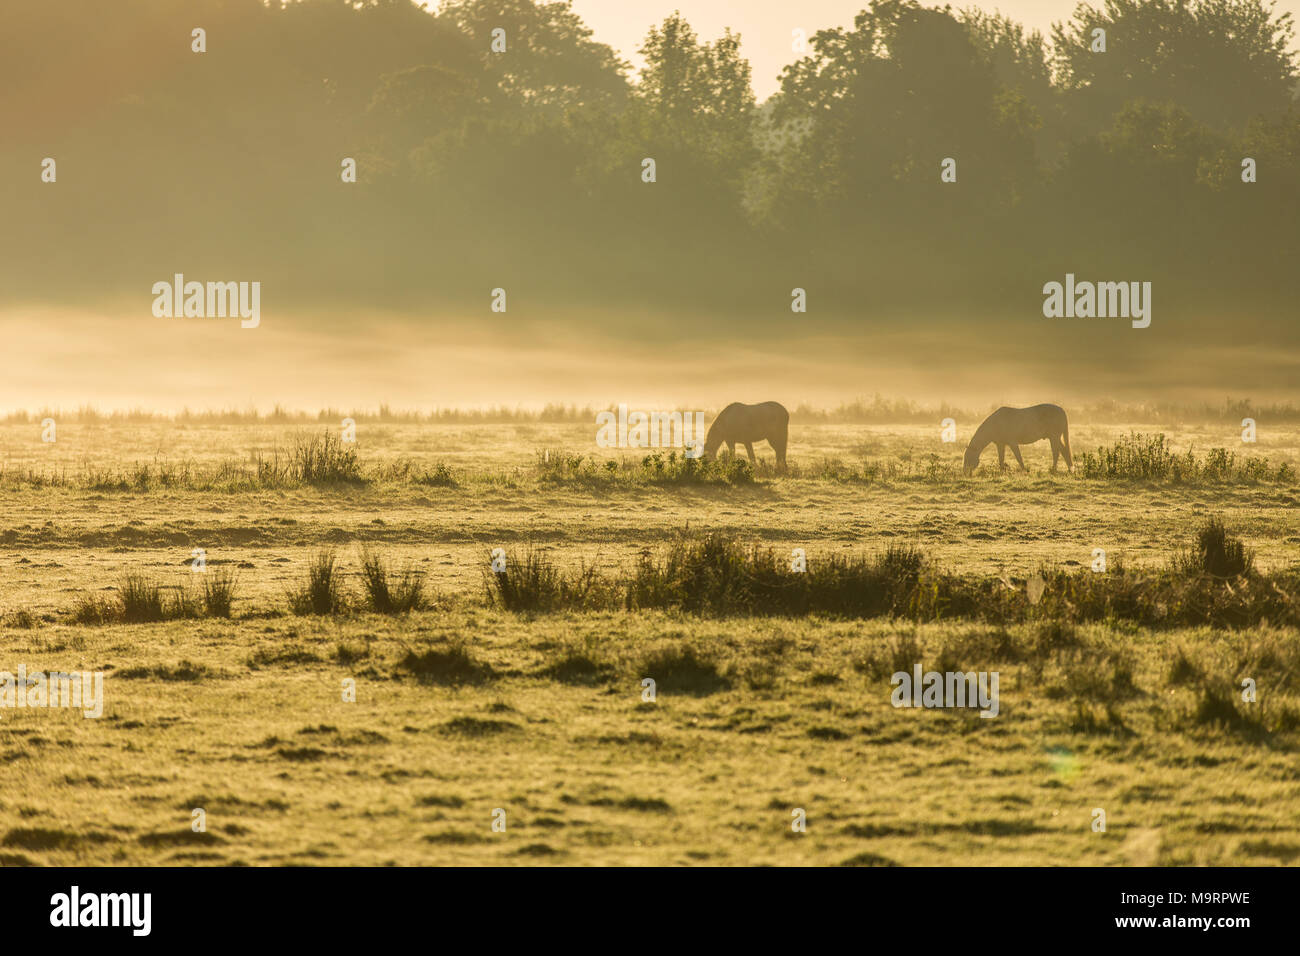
{"points": [[524, 169]]}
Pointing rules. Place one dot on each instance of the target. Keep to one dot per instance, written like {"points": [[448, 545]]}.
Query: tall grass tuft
{"points": [[532, 582], [1216, 553], [325, 460], [715, 575], [96, 609], [139, 600], [323, 592], [218, 593], [143, 601], [437, 476], [555, 466], [398, 595]]}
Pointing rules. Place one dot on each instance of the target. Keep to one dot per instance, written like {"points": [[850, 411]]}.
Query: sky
{"points": [[765, 26]]}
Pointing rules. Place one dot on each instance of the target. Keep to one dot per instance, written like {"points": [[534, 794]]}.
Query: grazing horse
{"points": [[747, 424], [1021, 426]]}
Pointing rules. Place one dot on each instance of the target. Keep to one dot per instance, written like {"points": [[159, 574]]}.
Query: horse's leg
{"points": [[1015, 450], [731, 449], [749, 448], [1065, 448], [1002, 455], [1056, 452]]}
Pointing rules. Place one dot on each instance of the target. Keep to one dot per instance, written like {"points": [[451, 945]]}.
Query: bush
{"points": [[1148, 458], [1145, 457]]}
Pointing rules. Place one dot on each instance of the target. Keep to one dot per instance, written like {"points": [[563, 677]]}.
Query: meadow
{"points": [[371, 561]]}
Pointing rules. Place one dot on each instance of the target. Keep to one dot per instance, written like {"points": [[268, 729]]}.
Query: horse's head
{"points": [[972, 459], [712, 441]]}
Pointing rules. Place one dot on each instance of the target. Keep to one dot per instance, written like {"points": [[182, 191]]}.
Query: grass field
{"points": [[463, 708]]}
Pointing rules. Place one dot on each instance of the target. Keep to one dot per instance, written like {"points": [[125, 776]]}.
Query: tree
{"points": [[885, 102], [1021, 65], [550, 61], [1224, 61]]}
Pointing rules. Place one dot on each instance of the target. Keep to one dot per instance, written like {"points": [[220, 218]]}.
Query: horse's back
{"points": [[1044, 412], [1045, 421], [753, 422], [1021, 426], [1053, 415]]}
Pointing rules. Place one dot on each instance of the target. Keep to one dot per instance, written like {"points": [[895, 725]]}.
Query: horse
{"points": [[1021, 426], [747, 424]]}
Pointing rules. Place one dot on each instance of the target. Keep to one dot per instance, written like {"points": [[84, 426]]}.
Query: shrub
{"points": [[1134, 457], [1148, 458]]}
